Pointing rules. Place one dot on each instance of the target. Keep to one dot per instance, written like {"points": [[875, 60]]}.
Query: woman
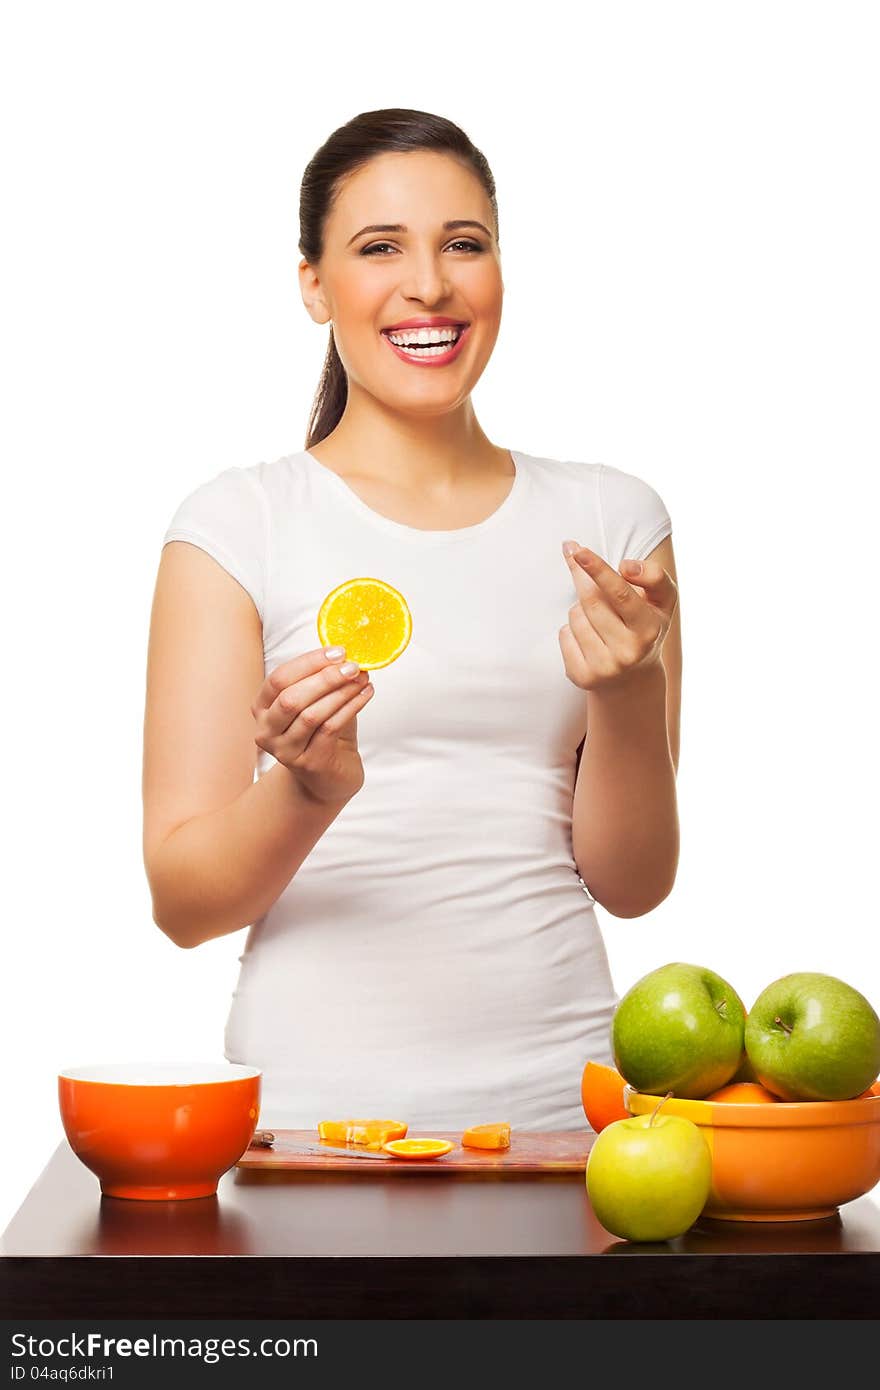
{"points": [[413, 857]]}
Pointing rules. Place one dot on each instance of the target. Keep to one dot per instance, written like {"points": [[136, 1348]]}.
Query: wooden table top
{"points": [[373, 1244]]}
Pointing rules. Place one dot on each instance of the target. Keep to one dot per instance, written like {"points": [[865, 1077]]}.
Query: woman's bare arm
{"points": [[218, 847], [625, 828]]}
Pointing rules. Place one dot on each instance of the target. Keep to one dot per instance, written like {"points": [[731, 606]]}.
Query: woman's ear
{"points": [[312, 294]]}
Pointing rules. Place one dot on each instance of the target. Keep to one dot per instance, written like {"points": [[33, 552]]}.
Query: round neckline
{"points": [[416, 533]]}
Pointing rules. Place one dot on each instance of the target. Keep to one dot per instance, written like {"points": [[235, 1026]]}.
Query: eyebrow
{"points": [[399, 227]]}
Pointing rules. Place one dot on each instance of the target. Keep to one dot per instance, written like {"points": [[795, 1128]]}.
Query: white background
{"points": [[689, 231]]}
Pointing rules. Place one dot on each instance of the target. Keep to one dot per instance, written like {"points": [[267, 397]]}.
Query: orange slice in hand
{"points": [[367, 617], [417, 1148], [602, 1095], [486, 1137], [370, 1133]]}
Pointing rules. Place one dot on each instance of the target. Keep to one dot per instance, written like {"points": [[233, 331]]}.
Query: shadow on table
{"points": [[122, 1226], [710, 1236]]}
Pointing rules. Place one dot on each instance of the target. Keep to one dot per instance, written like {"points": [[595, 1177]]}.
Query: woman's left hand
{"points": [[615, 632]]}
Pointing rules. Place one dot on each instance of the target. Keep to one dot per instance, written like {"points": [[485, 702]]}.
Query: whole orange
{"points": [[744, 1093]]}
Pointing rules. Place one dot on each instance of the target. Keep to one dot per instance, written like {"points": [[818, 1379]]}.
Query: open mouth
{"points": [[427, 345]]}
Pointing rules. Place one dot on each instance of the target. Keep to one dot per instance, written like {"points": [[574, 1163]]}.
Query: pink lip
{"points": [[437, 359], [439, 322]]}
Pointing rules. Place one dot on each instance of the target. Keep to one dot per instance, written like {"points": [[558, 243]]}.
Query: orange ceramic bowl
{"points": [[159, 1132], [793, 1161]]}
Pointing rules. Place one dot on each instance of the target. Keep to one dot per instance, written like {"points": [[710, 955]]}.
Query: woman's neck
{"points": [[425, 460]]}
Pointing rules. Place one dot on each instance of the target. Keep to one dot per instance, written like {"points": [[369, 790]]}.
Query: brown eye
{"points": [[376, 245]]}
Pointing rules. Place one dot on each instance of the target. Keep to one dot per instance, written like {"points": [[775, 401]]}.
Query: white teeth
{"points": [[424, 336]]}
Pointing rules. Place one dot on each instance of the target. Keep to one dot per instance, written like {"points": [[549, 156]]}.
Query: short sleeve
{"points": [[228, 518], [634, 516]]}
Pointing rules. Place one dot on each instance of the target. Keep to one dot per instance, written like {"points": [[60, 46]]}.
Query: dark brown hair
{"points": [[347, 149]]}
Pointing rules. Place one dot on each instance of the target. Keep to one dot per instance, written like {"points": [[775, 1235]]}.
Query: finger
{"points": [[309, 663], [294, 698], [612, 627], [338, 722], [619, 596], [335, 710], [293, 707], [578, 667], [300, 735], [598, 633], [655, 581]]}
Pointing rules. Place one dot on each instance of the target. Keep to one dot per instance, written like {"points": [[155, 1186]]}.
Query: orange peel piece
{"points": [[418, 1148], [495, 1136], [371, 1134], [369, 618], [602, 1095]]}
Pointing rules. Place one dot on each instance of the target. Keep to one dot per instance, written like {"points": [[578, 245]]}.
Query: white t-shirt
{"points": [[436, 958]]}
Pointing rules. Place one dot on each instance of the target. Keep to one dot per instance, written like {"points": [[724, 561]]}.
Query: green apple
{"points": [[680, 1029], [813, 1037], [648, 1177]]}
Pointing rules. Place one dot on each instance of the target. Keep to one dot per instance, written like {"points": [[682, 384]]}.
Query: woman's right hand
{"points": [[306, 717]]}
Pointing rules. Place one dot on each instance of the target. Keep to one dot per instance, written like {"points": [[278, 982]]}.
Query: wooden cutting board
{"points": [[558, 1151]]}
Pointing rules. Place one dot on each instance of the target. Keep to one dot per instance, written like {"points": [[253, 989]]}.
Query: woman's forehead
{"points": [[417, 189]]}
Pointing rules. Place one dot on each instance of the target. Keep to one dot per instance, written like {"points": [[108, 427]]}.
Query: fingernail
{"points": [[569, 547], [633, 566], [349, 668], [334, 653]]}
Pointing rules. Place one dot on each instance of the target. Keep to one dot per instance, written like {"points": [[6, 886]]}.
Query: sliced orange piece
{"points": [[744, 1093], [417, 1148], [367, 617], [602, 1095], [487, 1137], [370, 1133]]}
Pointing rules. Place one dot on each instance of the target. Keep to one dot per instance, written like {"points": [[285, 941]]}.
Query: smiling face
{"points": [[369, 281]]}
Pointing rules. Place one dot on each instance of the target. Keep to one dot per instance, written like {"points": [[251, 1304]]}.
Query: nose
{"points": [[426, 279]]}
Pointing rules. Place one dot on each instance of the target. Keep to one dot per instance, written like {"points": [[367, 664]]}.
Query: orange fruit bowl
{"points": [[159, 1132], [793, 1161]]}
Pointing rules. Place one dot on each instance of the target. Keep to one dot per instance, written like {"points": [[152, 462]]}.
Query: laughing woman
{"points": [[417, 860]]}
